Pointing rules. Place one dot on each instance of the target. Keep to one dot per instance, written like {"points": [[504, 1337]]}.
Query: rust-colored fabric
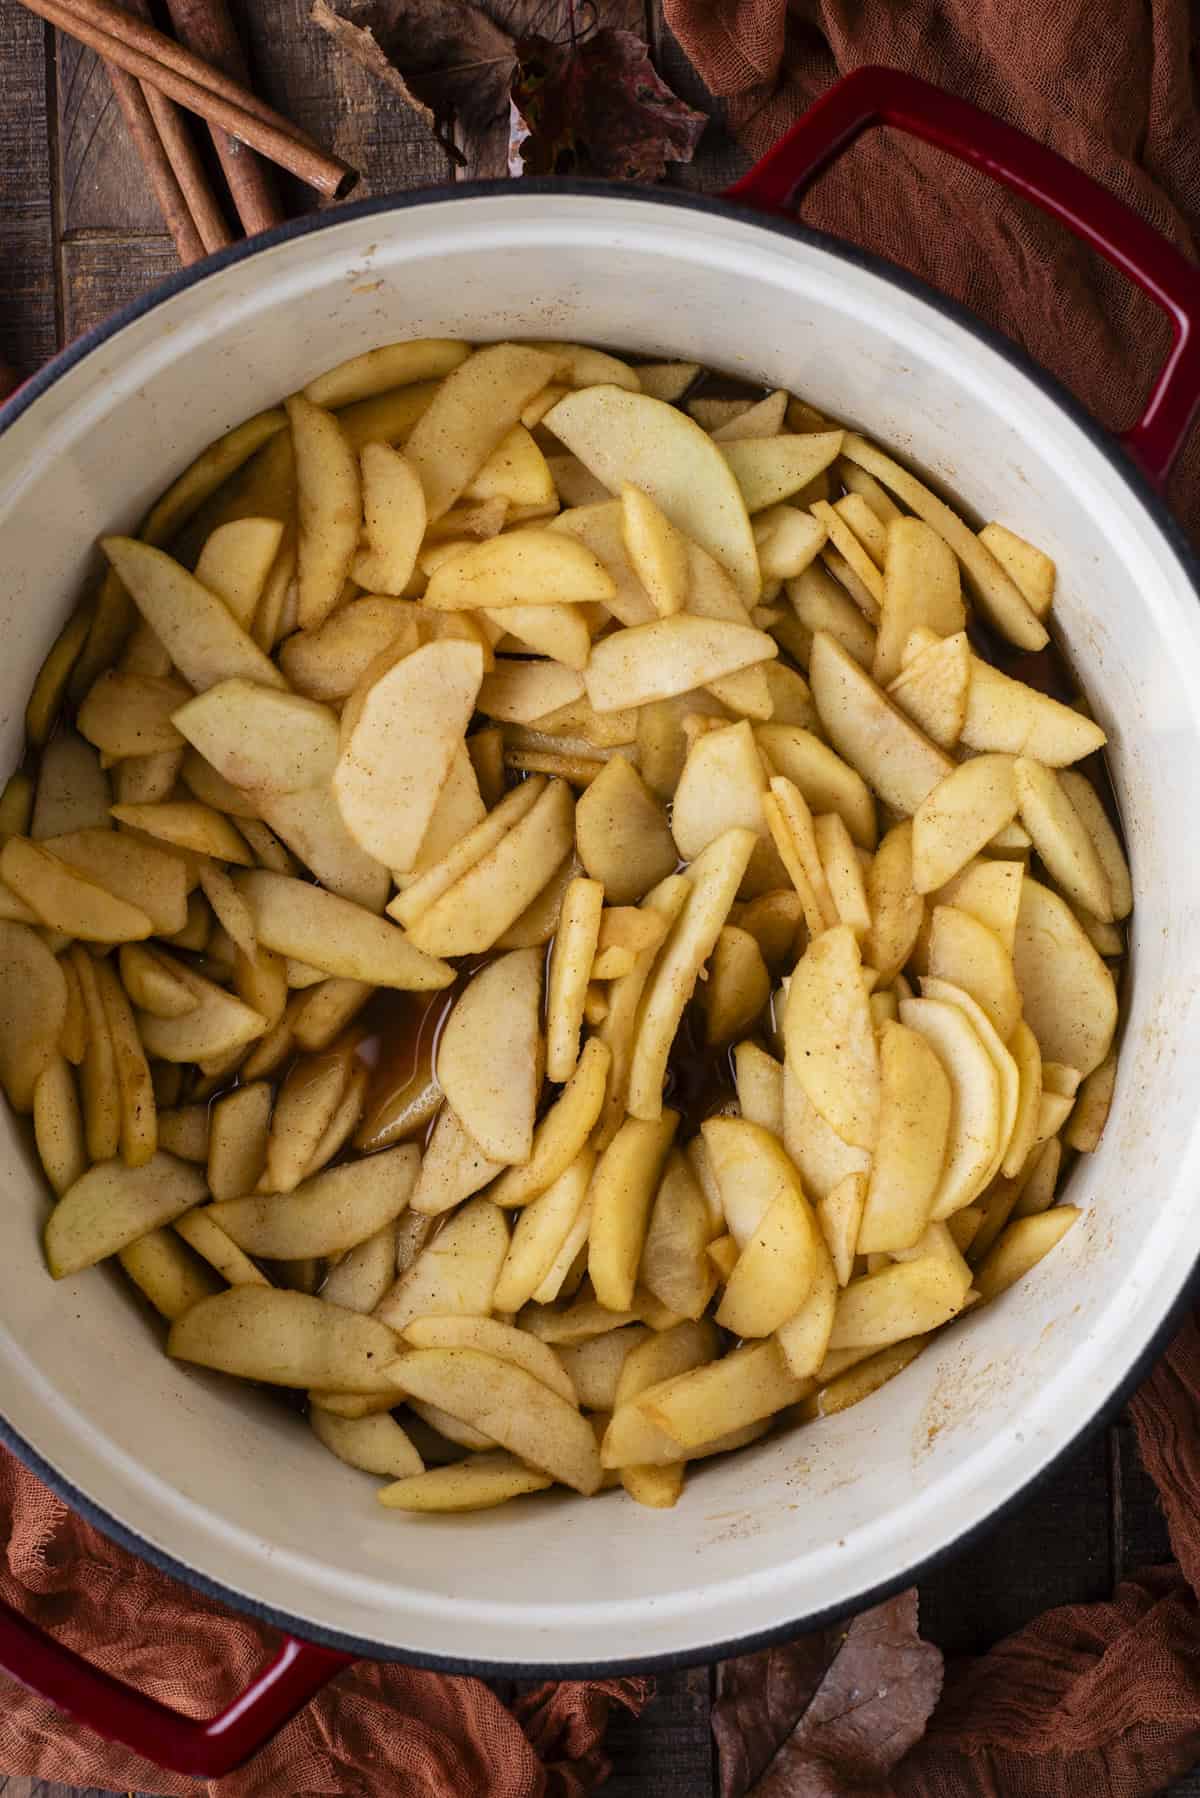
{"points": [[377, 1728], [1099, 1700], [1108, 85]]}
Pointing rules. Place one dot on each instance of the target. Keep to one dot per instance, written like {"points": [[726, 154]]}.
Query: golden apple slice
{"points": [[994, 592], [673, 655], [1062, 839], [1030, 568], [518, 692], [623, 1188], [706, 1402], [130, 714], [287, 1339], [898, 1302], [329, 502], [967, 953], [920, 587], [58, 1125], [975, 1119], [571, 960], [380, 370], [1007, 715], [1107, 843], [770, 469], [396, 758], [959, 815], [1069, 998], [65, 900], [452, 1168], [237, 1144], [830, 1038], [914, 1125], [328, 1214], [473, 410], [933, 687], [456, 1273], [521, 568], [202, 637], [656, 550], [622, 833], [715, 876], [508, 1405], [623, 436], [33, 1011], [236, 560], [112, 1205], [150, 878], [260, 740], [896, 759], [1020, 1247], [310, 823], [495, 1026], [295, 918]]}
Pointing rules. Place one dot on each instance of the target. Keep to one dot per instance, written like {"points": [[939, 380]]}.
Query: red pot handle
{"points": [[880, 96], [206, 1747]]}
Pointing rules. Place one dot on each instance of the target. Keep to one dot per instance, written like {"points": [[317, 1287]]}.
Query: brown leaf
{"points": [[597, 107], [759, 1697], [831, 1715], [438, 56]]}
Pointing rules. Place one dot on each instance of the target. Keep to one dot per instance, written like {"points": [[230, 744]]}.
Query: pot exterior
{"points": [[224, 1484]]}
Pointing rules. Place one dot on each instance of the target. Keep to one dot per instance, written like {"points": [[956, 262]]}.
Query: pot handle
{"points": [[206, 1747], [881, 96]]}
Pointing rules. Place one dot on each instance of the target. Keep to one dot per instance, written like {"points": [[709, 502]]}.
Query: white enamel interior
{"points": [[231, 1485]]}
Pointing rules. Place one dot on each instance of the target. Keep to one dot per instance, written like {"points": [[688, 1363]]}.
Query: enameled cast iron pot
{"points": [[216, 1483]]}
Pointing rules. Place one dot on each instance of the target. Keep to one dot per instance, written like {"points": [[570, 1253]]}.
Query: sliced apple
{"points": [[1069, 999], [673, 655], [201, 635], [959, 816], [830, 1038], [330, 1213], [488, 1054], [295, 918], [975, 1120], [1062, 838], [111, 1205], [771, 469], [623, 436], [472, 411], [993, 590], [896, 759], [1007, 715], [287, 1339], [715, 876], [397, 755]]}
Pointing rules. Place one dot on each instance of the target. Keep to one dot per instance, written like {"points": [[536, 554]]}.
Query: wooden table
{"points": [[79, 236]]}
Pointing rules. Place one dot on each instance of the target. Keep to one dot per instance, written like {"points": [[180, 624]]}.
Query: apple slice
{"points": [[259, 739], [622, 436], [396, 758], [200, 633], [830, 1038], [869, 729], [494, 1027], [112, 1205], [975, 1120]]}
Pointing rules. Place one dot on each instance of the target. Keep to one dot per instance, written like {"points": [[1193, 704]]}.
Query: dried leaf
{"points": [[597, 107], [828, 1716], [440, 57]]}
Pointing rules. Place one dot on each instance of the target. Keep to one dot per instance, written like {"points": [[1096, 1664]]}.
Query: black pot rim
{"points": [[1141, 490]]}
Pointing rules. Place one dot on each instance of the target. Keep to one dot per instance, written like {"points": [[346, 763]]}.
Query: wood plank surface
{"points": [[79, 237], [28, 289]]}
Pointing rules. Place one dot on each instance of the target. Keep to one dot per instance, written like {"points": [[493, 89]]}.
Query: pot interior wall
{"points": [[229, 1482]]}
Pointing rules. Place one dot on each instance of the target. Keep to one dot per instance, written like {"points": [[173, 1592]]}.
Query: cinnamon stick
{"points": [[119, 37], [206, 27], [131, 98], [184, 159]]}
